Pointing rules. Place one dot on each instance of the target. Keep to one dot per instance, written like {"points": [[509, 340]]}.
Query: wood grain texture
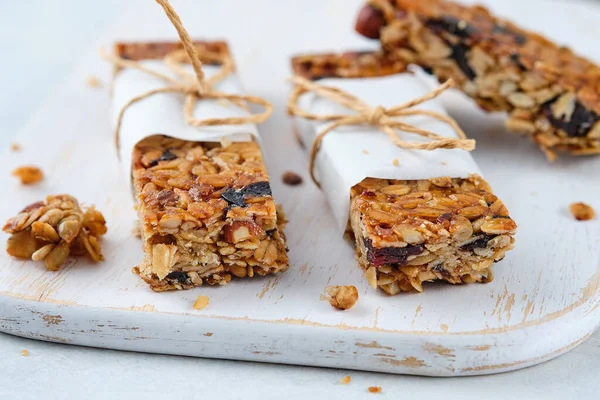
{"points": [[544, 299]]}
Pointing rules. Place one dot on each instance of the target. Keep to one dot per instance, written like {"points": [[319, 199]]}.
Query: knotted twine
{"points": [[385, 119], [194, 87]]}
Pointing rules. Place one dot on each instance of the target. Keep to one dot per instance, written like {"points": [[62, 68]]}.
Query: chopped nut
{"points": [[346, 380], [28, 174], [396, 162], [239, 231], [44, 231], [498, 226], [21, 245], [291, 178], [15, 146], [57, 256], [399, 190], [375, 389], [163, 258], [342, 297], [69, 228], [24, 353], [365, 151], [372, 277], [461, 228], [582, 211], [201, 302], [42, 252]]}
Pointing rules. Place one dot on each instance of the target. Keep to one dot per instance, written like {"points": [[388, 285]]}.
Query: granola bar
{"points": [[550, 93], [206, 213], [411, 231], [351, 64], [53, 230], [205, 209]]}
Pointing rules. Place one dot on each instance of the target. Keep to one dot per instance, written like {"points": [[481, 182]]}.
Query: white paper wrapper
{"points": [[341, 162], [163, 113]]}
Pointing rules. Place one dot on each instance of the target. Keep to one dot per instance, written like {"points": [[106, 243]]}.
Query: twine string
{"points": [[386, 119]]}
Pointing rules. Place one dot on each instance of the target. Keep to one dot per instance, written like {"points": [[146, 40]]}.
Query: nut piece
{"points": [[239, 231], [371, 275], [342, 297], [346, 380], [201, 302], [582, 211], [21, 245], [43, 252], [28, 174], [15, 146], [163, 258], [291, 178], [57, 256]]}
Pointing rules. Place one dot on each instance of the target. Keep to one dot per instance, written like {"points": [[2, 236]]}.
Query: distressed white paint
{"points": [[555, 263]]}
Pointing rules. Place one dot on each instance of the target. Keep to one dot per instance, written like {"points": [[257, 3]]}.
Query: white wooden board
{"points": [[543, 301]]}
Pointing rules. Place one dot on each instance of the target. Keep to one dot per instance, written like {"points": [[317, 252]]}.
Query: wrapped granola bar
{"points": [[416, 215], [205, 207]]}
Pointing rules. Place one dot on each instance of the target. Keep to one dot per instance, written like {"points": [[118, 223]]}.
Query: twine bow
{"points": [[194, 87], [386, 119]]}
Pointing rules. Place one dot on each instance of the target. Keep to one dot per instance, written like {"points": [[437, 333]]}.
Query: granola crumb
{"points": [[365, 151], [444, 163], [94, 82], [24, 353], [342, 297], [291, 178], [375, 389], [396, 162], [582, 211], [346, 380], [54, 229], [15, 146], [201, 302], [28, 174]]}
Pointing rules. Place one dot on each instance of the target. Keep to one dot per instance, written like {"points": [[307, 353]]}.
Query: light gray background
{"points": [[41, 41]]}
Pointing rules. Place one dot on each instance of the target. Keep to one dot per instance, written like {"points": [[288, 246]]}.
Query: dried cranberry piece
{"points": [[515, 58], [454, 26], [178, 276], [236, 197], [478, 243], [459, 54], [391, 255], [581, 122], [258, 189], [166, 156]]}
